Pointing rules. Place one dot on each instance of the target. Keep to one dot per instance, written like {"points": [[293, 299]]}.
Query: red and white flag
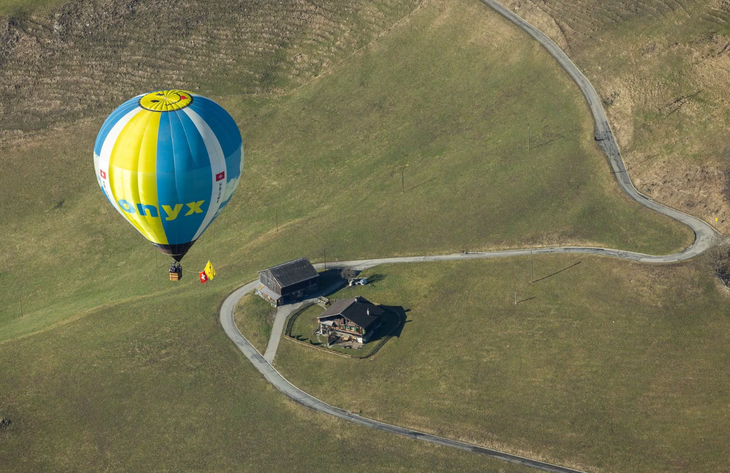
{"points": [[102, 173], [220, 176], [203, 277]]}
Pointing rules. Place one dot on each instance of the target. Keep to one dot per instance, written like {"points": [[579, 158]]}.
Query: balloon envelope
{"points": [[169, 162]]}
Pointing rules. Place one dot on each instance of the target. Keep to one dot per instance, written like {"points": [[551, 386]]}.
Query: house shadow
{"points": [[393, 325], [330, 281]]}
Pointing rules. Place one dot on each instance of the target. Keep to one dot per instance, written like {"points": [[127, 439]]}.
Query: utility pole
{"points": [[531, 272], [661, 95], [528, 138], [515, 298], [324, 250], [402, 168]]}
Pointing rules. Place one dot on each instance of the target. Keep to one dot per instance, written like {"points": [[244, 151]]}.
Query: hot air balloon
{"points": [[169, 162]]}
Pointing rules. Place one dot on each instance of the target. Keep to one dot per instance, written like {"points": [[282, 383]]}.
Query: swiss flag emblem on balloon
{"points": [[203, 277], [220, 176], [102, 173]]}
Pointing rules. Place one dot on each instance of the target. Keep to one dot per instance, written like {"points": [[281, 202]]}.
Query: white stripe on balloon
{"points": [[217, 164]]}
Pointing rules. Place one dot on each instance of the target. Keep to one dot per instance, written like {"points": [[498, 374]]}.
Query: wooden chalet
{"points": [[354, 319], [288, 282]]}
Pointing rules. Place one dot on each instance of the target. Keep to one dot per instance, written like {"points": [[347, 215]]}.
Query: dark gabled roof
{"points": [[356, 310], [287, 274]]}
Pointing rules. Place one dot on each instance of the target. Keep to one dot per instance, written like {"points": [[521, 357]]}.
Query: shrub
{"points": [[720, 261]]}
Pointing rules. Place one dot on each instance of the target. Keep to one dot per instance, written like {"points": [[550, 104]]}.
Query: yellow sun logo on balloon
{"points": [[166, 100]]}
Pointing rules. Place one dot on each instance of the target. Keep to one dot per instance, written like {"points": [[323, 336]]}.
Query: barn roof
{"points": [[293, 272], [357, 309]]}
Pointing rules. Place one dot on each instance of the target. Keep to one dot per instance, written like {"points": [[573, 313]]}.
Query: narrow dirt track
{"points": [[705, 237]]}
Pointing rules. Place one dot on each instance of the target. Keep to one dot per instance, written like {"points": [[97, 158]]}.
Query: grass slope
{"points": [[325, 162], [84, 58], [152, 386], [662, 68], [254, 317], [105, 362], [607, 365]]}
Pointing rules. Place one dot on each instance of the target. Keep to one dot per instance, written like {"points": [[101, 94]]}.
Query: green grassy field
{"points": [[305, 322], [604, 365], [254, 317], [153, 385], [326, 160], [105, 363]]}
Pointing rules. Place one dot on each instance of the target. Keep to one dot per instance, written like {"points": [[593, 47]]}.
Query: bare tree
{"points": [[720, 261], [348, 273]]}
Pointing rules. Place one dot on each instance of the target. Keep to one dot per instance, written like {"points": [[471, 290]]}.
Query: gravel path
{"points": [[282, 313]]}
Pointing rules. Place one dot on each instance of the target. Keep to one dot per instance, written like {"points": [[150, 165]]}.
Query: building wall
{"points": [[268, 281], [307, 284]]}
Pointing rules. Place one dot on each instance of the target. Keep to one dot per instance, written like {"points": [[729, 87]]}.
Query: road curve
{"points": [[705, 234], [299, 396], [705, 237]]}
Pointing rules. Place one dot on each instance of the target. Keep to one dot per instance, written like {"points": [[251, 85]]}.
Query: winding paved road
{"points": [[705, 238], [705, 235]]}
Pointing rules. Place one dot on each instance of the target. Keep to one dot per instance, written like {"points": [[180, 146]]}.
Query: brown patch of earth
{"points": [[698, 189], [87, 56], [537, 17]]}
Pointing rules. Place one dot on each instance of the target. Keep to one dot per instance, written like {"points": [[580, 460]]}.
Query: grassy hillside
{"points": [[101, 354], [325, 162], [85, 57], [662, 70], [604, 365], [255, 317], [154, 386]]}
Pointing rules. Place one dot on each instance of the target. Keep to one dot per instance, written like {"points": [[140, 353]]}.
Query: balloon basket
{"points": [[176, 275]]}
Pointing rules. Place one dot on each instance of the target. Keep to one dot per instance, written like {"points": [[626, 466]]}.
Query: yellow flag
{"points": [[209, 271]]}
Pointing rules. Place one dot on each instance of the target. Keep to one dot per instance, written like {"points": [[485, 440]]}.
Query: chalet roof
{"points": [[356, 310], [293, 272]]}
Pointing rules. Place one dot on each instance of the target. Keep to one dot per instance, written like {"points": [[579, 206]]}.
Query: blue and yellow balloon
{"points": [[169, 162]]}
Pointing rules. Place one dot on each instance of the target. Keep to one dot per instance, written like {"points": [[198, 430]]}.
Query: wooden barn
{"points": [[354, 319], [288, 282]]}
